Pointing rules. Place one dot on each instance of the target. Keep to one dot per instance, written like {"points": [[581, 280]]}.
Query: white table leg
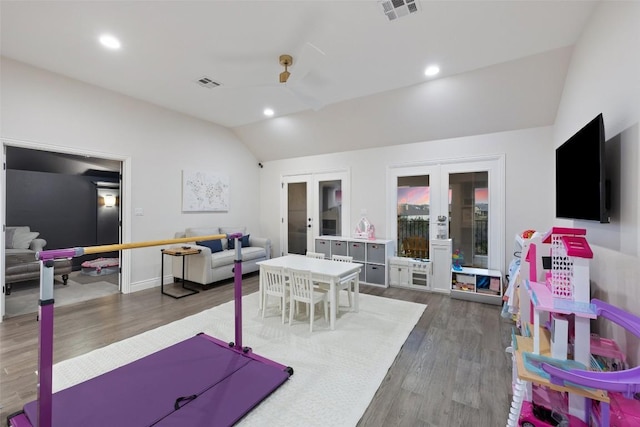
{"points": [[356, 292], [332, 303], [260, 296]]}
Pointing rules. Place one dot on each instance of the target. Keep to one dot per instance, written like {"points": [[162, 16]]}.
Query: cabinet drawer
{"points": [[323, 246], [375, 253], [338, 247], [465, 278], [375, 274], [356, 250]]}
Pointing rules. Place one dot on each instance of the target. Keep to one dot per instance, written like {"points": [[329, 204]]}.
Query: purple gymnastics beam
{"points": [[626, 382], [45, 362], [59, 253], [74, 252]]}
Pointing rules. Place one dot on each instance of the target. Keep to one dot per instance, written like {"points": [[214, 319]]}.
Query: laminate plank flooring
{"points": [[452, 370]]}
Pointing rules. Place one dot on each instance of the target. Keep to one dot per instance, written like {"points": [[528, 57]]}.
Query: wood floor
{"points": [[451, 371]]}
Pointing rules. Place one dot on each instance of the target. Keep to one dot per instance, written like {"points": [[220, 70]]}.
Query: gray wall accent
{"points": [[62, 208]]}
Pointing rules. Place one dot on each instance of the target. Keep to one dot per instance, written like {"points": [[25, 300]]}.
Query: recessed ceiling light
{"points": [[268, 112], [109, 41], [431, 70]]}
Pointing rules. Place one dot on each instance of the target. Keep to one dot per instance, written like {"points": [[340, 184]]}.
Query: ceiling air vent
{"points": [[394, 9], [207, 82]]}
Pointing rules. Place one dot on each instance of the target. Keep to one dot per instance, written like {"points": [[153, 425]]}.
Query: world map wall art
{"points": [[205, 191]]}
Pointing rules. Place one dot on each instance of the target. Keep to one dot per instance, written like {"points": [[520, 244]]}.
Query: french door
{"points": [[312, 205], [459, 199]]}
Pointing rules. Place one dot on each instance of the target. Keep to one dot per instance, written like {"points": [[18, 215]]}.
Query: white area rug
{"points": [[336, 373]]}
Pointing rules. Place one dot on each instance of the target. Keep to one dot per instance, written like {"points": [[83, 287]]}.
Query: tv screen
{"points": [[581, 191]]}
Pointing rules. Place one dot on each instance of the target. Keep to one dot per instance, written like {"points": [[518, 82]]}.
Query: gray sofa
{"points": [[21, 245], [210, 266]]}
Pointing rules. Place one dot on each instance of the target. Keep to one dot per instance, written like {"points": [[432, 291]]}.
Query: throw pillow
{"points": [[244, 242], [233, 230], [214, 245], [23, 240], [8, 238]]}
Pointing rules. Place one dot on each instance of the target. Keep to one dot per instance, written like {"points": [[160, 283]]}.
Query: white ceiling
{"points": [[357, 79]]}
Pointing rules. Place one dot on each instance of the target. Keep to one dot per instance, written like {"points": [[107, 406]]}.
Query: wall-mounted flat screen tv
{"points": [[581, 184]]}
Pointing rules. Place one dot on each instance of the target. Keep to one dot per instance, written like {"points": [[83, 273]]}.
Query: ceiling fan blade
{"points": [[311, 58], [307, 100]]}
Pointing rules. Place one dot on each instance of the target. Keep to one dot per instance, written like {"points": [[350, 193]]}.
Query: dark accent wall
{"points": [[62, 208]]}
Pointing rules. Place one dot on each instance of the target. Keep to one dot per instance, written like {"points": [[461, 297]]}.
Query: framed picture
{"points": [[205, 191]]}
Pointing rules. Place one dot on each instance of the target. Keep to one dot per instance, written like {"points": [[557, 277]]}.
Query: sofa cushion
{"points": [[8, 238], [253, 252], [221, 259], [10, 233], [214, 245], [226, 258], [244, 242], [22, 240]]}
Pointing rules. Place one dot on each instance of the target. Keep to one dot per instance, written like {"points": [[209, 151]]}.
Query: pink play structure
{"points": [[555, 313]]}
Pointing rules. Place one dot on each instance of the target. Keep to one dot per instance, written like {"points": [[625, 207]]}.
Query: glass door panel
{"points": [[413, 216], [297, 219], [330, 207], [469, 213]]}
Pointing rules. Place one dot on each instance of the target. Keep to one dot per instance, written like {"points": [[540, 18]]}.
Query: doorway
{"points": [[312, 205], [61, 196]]}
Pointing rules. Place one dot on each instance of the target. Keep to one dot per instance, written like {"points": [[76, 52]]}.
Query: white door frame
{"points": [[125, 199], [438, 171], [313, 178]]}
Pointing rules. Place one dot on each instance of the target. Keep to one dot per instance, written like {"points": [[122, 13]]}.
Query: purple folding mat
{"points": [[197, 382]]}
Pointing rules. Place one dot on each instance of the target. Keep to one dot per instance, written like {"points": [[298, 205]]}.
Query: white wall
{"points": [[604, 77], [44, 109], [528, 175]]}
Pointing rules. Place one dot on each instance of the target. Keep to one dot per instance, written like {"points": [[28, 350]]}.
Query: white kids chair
{"points": [[274, 283], [346, 285], [302, 290], [318, 255]]}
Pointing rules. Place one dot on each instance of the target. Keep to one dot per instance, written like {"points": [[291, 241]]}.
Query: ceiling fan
{"points": [[286, 61], [311, 57], [297, 82]]}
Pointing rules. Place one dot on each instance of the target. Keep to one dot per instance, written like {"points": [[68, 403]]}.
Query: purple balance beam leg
{"points": [[237, 287], [45, 358]]}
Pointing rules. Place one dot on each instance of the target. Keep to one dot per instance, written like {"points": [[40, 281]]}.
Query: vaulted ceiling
{"points": [[357, 78]]}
